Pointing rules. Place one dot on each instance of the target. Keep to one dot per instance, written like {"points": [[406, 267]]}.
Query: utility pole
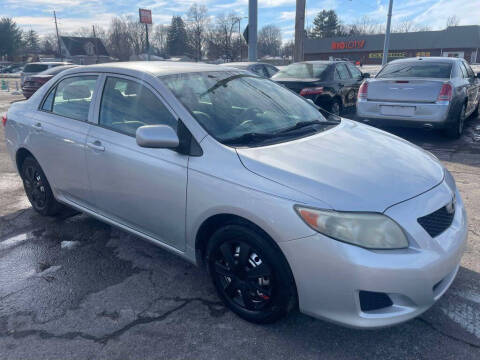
{"points": [[386, 45], [252, 29], [58, 36], [148, 43], [299, 31]]}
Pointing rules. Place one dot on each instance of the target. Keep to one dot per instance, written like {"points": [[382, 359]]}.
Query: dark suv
{"points": [[332, 85]]}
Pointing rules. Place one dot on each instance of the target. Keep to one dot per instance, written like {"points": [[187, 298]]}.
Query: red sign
{"points": [[350, 44], [145, 16]]}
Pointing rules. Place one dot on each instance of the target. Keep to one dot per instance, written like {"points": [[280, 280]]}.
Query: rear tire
{"points": [[250, 275], [38, 189], [455, 130]]}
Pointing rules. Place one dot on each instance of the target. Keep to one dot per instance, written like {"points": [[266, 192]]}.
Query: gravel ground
{"points": [[75, 288]]}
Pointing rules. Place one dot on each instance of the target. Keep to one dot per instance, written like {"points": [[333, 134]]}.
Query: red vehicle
{"points": [[34, 82]]}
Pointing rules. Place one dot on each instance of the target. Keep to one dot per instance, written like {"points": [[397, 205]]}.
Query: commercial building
{"points": [[456, 41]]}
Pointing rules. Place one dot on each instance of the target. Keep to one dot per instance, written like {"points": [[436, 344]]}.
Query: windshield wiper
{"points": [[249, 138], [303, 124]]}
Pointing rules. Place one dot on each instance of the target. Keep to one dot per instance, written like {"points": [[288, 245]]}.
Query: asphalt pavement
{"points": [[75, 288]]}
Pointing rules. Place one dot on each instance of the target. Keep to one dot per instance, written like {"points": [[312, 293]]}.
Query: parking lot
{"points": [[79, 289]]}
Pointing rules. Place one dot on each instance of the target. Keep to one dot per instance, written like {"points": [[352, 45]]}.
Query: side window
{"points": [[271, 70], [463, 69], [48, 103], [72, 97], [342, 72], [357, 74], [469, 69], [126, 105], [258, 69]]}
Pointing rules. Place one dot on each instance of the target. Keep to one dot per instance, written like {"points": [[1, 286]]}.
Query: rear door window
{"points": [[356, 74], [271, 70], [126, 105], [72, 97], [342, 72]]}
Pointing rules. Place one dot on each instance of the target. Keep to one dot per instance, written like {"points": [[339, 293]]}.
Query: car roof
{"points": [[49, 63], [244, 63], [322, 62], [435, 59], [156, 68]]}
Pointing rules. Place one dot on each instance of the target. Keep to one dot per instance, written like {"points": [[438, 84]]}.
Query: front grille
{"points": [[437, 222]]}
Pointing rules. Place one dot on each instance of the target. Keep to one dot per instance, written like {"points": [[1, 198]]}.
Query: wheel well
{"points": [[22, 153], [212, 224], [339, 99]]}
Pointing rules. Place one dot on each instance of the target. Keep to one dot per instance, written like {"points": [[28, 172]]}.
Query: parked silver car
{"points": [[436, 92], [234, 171]]}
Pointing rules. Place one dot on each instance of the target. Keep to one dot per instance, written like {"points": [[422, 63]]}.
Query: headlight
{"points": [[368, 230]]}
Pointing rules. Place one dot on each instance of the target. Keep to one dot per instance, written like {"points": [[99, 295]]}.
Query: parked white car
{"points": [[228, 169]]}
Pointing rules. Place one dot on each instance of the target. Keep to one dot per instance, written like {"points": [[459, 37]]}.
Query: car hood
{"points": [[352, 167]]}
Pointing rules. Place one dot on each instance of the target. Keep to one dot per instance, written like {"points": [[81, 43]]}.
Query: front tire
{"points": [[250, 275], [38, 189]]}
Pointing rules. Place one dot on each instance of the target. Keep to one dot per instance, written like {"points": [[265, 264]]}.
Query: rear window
{"points": [[35, 68], [416, 70], [302, 71]]}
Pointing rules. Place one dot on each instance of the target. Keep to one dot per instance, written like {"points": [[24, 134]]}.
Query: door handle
{"points": [[38, 126], [97, 145]]}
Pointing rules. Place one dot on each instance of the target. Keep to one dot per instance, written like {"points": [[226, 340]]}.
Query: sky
{"points": [[74, 14]]}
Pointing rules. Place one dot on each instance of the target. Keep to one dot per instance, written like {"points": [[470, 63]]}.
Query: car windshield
{"points": [[302, 71], [35, 68], [242, 109], [416, 70]]}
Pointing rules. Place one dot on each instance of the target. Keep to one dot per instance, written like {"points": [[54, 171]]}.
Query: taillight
{"points": [[445, 93], [4, 120], [312, 91], [363, 91]]}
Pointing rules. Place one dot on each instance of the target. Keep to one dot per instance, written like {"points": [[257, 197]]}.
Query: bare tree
{"points": [[453, 21], [220, 44], [197, 25], [364, 25], [269, 40], [159, 39], [287, 49], [405, 26], [119, 44]]}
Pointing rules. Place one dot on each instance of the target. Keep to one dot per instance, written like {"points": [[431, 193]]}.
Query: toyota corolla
{"points": [[229, 170]]}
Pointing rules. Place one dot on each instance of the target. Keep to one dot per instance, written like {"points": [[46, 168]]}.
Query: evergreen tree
{"points": [[326, 24], [177, 41], [10, 38]]}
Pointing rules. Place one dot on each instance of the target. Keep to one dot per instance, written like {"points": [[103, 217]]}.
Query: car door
{"points": [[345, 84], [141, 188], [357, 77], [472, 88], [59, 135]]}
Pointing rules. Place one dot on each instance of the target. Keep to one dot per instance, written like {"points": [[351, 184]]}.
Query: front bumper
{"points": [[434, 115], [330, 274]]}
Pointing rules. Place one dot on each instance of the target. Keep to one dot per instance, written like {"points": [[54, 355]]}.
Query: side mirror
{"points": [[478, 75], [157, 136], [366, 75]]}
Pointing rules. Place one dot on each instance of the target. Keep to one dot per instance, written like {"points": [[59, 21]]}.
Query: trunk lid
{"points": [[405, 90], [297, 85]]}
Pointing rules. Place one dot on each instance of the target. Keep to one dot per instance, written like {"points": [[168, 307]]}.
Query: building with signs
{"points": [[83, 50], [457, 41]]}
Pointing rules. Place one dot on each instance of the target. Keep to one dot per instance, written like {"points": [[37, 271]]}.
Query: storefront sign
{"points": [[345, 45], [379, 55]]}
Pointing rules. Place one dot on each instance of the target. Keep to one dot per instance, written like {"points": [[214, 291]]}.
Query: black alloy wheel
{"points": [[38, 189], [249, 274]]}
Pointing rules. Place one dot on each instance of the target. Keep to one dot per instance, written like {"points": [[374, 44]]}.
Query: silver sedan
{"points": [[436, 92], [285, 208]]}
